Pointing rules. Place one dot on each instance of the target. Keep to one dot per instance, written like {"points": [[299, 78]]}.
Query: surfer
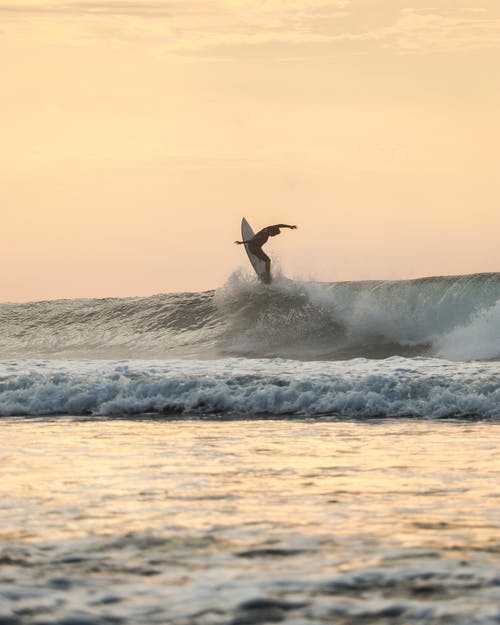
{"points": [[258, 240]]}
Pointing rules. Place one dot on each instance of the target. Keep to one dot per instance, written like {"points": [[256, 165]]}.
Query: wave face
{"points": [[456, 318]]}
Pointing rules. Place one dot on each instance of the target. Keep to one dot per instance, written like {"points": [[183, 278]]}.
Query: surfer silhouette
{"points": [[258, 240]]}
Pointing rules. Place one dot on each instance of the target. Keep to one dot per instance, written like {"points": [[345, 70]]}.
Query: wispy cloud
{"points": [[92, 7], [432, 30], [264, 8], [278, 28]]}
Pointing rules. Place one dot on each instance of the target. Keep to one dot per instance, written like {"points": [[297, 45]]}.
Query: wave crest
{"points": [[450, 317], [454, 317]]}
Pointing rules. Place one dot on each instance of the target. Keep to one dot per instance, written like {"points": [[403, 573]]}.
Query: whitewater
{"points": [[426, 348], [305, 453]]}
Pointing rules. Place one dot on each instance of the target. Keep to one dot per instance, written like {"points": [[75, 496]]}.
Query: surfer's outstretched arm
{"points": [[255, 238], [283, 226]]}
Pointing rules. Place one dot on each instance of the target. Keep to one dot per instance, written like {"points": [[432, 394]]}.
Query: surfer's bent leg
{"points": [[259, 252]]}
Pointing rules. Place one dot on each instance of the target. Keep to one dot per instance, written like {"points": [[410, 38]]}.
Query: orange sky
{"points": [[136, 134]]}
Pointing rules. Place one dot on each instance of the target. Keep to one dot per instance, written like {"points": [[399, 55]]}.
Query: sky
{"points": [[137, 134]]}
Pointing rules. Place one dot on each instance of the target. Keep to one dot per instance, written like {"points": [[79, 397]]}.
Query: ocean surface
{"points": [[302, 453]]}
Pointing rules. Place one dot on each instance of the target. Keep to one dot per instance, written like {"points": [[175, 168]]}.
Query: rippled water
{"points": [[249, 521]]}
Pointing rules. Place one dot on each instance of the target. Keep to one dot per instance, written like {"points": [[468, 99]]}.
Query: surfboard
{"points": [[257, 263]]}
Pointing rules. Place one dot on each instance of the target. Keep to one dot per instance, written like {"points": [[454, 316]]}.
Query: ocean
{"points": [[301, 453]]}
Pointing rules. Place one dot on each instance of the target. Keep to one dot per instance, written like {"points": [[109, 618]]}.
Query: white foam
{"points": [[452, 317], [455, 320], [480, 338], [391, 388]]}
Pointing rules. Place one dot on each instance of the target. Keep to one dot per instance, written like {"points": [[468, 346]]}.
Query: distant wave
{"points": [[453, 317]]}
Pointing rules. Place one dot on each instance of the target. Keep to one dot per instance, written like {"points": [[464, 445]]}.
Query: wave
{"points": [[243, 388], [452, 317]]}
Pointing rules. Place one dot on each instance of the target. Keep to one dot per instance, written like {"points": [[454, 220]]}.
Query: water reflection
{"points": [[191, 521]]}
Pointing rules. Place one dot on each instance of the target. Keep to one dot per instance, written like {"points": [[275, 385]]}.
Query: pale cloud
{"points": [[225, 29], [93, 7], [432, 31], [198, 8]]}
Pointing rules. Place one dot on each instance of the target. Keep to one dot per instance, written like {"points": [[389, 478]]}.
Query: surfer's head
{"points": [[273, 231]]}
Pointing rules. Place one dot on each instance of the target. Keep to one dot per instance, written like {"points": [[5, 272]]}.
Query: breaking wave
{"points": [[245, 388], [454, 317]]}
